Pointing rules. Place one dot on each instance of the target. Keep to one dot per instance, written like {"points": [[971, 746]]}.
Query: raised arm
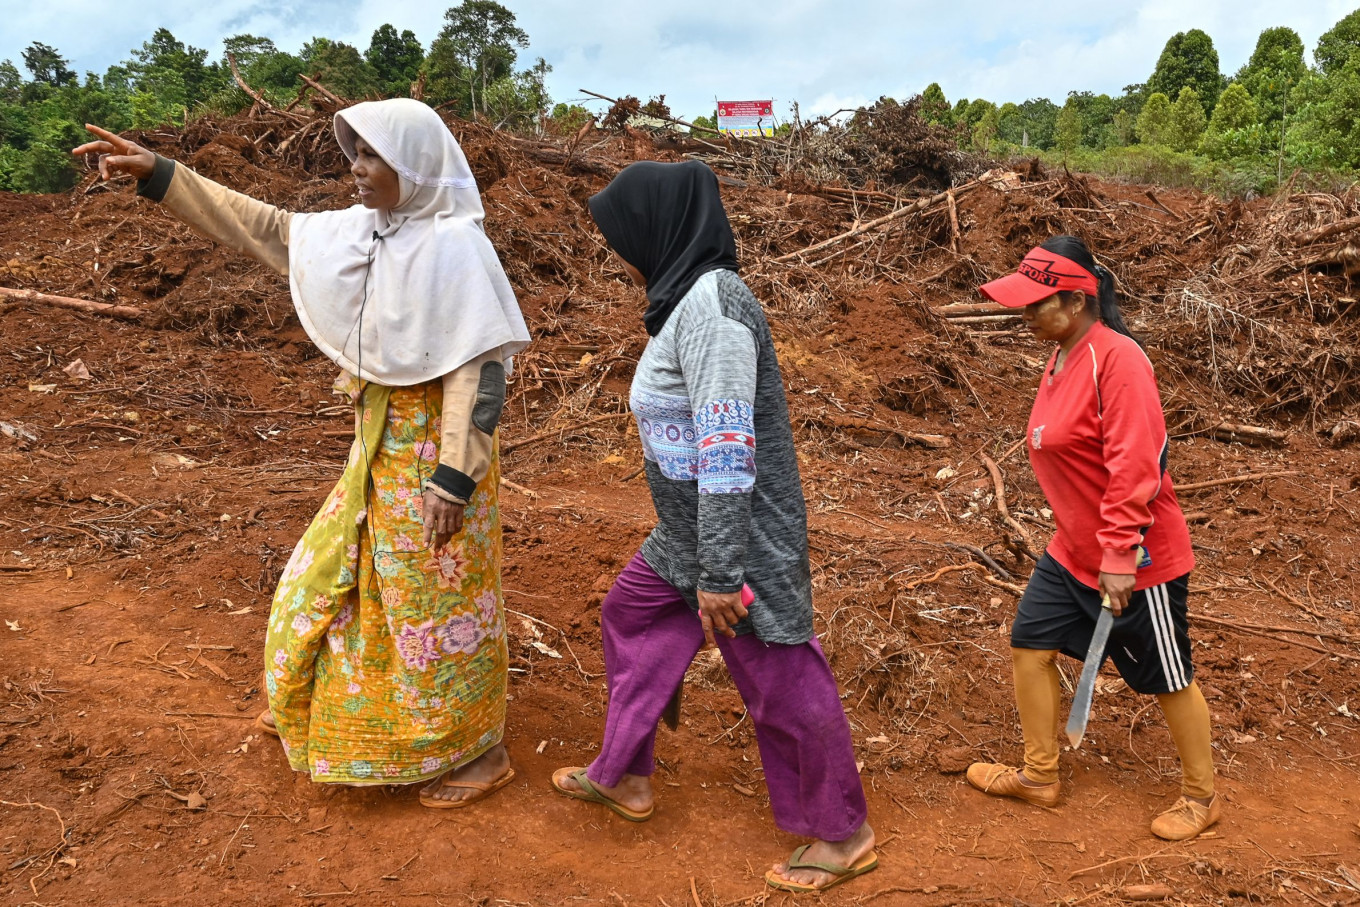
{"points": [[237, 221]]}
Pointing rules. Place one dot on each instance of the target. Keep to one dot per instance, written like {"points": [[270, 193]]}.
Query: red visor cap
{"points": [[1039, 276]]}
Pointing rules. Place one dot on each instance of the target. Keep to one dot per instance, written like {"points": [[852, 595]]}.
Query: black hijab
{"points": [[666, 220]]}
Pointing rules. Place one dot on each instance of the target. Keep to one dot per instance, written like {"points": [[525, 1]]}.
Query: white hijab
{"points": [[427, 296]]}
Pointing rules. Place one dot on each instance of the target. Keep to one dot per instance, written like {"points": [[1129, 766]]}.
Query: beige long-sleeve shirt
{"points": [[473, 392]]}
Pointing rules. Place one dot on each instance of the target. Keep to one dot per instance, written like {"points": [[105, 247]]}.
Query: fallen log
{"points": [[837, 192], [965, 309], [984, 319], [1236, 480], [1327, 232], [260, 101], [1154, 892], [1248, 434], [915, 207], [1348, 256], [552, 155], [879, 434], [322, 90], [131, 313]]}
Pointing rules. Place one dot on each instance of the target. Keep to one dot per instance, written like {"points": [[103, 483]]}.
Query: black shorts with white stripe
{"points": [[1149, 643]]}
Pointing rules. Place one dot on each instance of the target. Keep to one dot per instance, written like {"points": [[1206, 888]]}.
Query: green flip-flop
{"points": [[591, 795], [866, 863]]}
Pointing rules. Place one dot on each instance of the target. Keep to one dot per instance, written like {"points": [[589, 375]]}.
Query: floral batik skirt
{"points": [[386, 662]]}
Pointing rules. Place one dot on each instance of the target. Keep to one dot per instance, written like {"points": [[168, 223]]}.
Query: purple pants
{"points": [[650, 638]]}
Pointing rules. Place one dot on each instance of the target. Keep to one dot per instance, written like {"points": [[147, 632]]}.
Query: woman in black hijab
{"points": [[730, 545]]}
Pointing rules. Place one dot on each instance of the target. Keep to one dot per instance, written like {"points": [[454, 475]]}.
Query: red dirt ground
{"points": [[147, 517]]}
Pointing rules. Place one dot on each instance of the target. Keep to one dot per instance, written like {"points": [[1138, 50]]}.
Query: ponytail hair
{"points": [[1106, 304]]}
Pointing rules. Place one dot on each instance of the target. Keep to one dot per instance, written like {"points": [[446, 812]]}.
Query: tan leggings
{"points": [[1037, 694]]}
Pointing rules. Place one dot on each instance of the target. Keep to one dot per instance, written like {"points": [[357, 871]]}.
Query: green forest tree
{"points": [[935, 106], [1155, 125], [976, 110], [1234, 130], [568, 118], [984, 131], [1133, 99], [475, 48], [11, 83], [152, 64], [1338, 45], [958, 114], [1029, 125], [1041, 120], [395, 59], [264, 67], [1096, 112], [521, 100], [1324, 128], [1123, 126], [1010, 125], [1188, 59], [1187, 120], [1068, 129], [1275, 67], [47, 65], [340, 67], [165, 79]]}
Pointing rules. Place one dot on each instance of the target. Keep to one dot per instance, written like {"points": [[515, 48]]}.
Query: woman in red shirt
{"points": [[1098, 446]]}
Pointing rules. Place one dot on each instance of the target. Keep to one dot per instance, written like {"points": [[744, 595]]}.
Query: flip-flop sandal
{"points": [[591, 795], [866, 863], [484, 790], [262, 725]]}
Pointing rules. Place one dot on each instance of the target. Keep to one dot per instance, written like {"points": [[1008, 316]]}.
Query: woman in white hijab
{"points": [[385, 658]]}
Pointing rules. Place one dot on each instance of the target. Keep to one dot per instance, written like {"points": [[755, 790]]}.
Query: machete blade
{"points": [[1086, 687]]}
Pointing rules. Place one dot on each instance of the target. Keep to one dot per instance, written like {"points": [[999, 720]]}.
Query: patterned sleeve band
{"points": [[727, 447]]}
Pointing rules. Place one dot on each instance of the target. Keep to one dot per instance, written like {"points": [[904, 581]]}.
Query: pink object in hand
{"points": [[747, 596]]}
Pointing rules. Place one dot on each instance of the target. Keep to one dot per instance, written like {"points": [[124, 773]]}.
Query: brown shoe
{"points": [[1186, 819], [1004, 781]]}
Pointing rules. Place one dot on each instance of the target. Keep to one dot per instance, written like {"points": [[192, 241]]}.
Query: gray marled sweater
{"points": [[710, 407]]}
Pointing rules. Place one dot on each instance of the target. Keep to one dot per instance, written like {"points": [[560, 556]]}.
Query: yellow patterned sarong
{"points": [[386, 662]]}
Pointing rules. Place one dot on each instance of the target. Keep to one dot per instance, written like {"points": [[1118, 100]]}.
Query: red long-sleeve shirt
{"points": [[1098, 446]]}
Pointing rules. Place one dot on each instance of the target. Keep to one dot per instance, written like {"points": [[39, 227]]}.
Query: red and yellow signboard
{"points": [[746, 118]]}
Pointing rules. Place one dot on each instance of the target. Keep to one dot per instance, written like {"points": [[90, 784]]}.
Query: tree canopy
{"points": [[395, 59], [476, 47], [1275, 68], [1188, 60], [1275, 115], [1338, 45]]}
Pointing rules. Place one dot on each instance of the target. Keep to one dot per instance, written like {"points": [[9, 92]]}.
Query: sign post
{"points": [[746, 118]]}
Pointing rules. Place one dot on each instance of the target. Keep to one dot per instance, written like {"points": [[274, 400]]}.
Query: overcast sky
{"points": [[824, 54]]}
